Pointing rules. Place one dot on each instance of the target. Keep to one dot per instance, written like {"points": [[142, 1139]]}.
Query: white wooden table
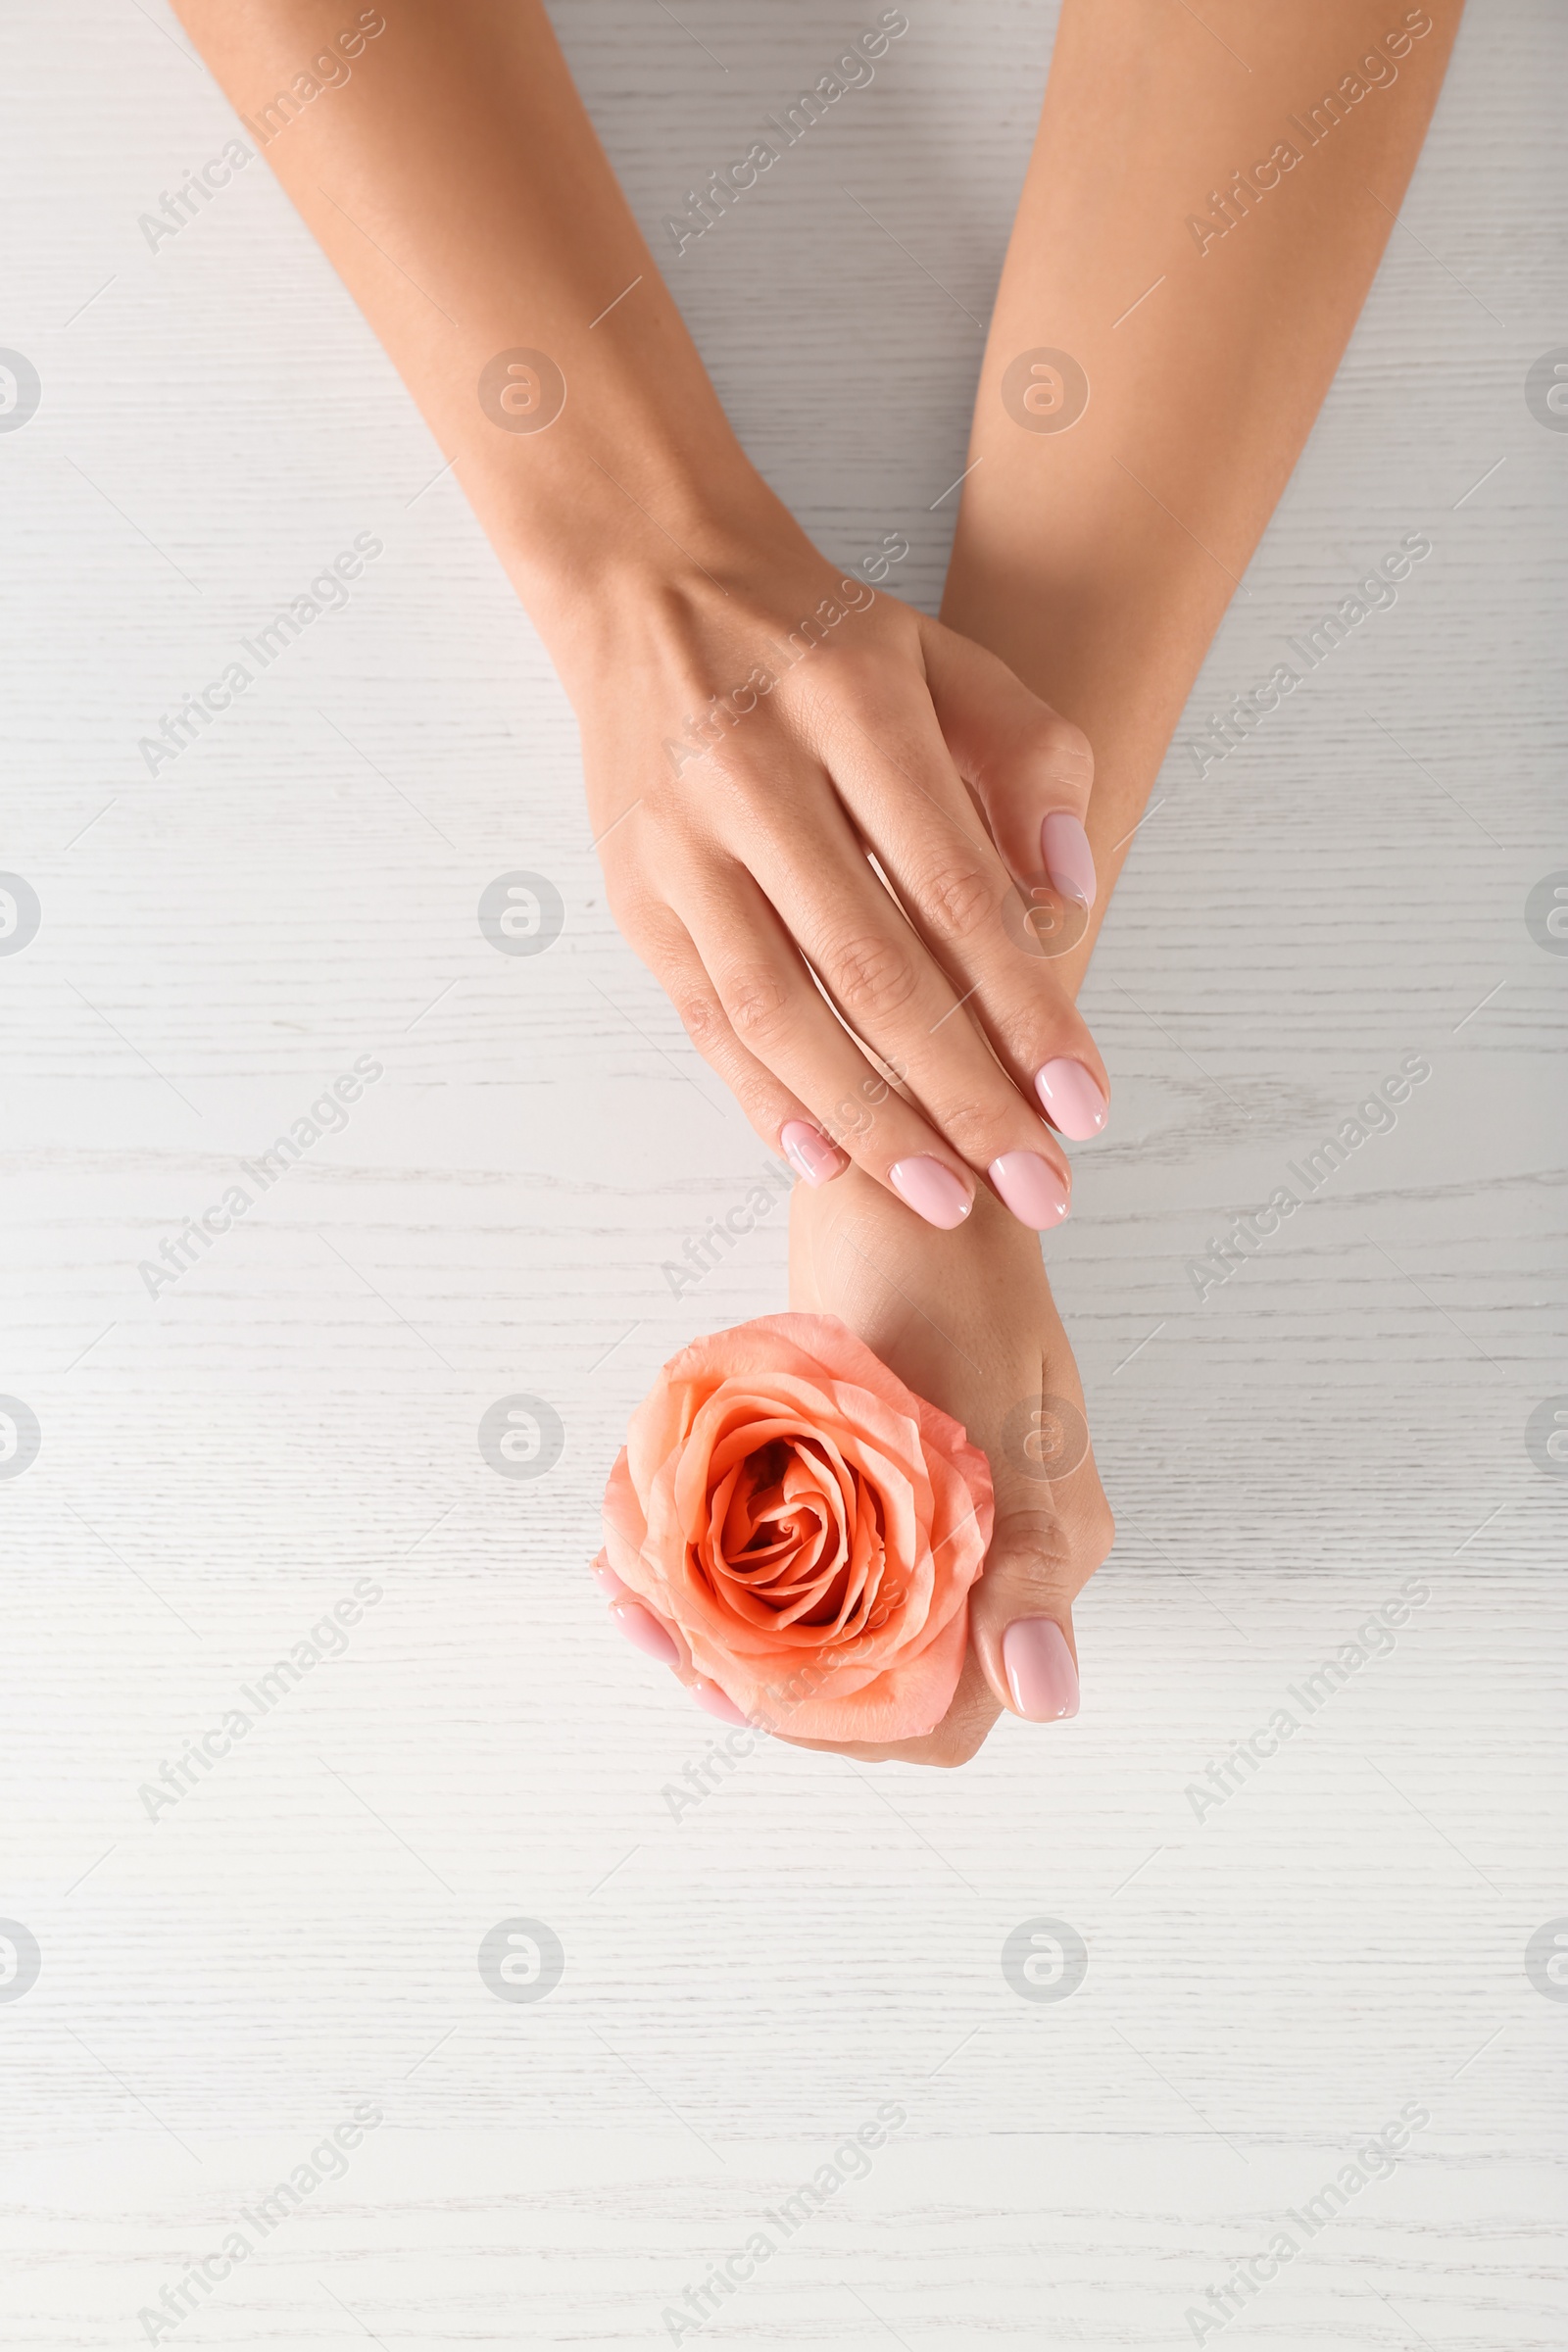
{"points": [[225, 1978]]}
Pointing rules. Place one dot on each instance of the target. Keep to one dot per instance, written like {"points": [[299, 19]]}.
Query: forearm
{"points": [[453, 181], [751, 720], [1098, 559]]}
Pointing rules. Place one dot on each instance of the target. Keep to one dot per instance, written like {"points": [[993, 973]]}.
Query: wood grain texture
{"points": [[748, 1977]]}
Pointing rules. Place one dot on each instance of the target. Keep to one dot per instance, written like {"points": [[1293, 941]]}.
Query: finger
{"points": [[657, 1639], [896, 779], [778, 1116], [636, 1622], [1031, 768], [770, 1000], [1053, 1530]]}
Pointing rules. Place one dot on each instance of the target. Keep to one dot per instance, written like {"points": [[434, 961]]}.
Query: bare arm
{"points": [[751, 720], [454, 182], [1205, 210], [1096, 558]]}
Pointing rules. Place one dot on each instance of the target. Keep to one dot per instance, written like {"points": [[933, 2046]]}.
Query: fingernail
{"points": [[932, 1190], [644, 1631], [715, 1701], [1040, 1672], [604, 1576], [1072, 1099], [809, 1153], [1069, 861], [1031, 1188]]}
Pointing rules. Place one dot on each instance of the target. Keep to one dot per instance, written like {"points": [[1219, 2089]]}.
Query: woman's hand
{"points": [[969, 1325], [754, 723], [972, 1328]]}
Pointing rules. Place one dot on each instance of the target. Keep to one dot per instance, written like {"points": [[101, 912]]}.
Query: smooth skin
{"points": [[1089, 570], [1098, 561], [456, 183], [967, 1321]]}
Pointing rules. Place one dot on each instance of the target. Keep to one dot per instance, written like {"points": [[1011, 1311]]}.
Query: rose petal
{"points": [[809, 1527]]}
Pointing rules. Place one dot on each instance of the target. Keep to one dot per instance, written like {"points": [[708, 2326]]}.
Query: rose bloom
{"points": [[805, 1527]]}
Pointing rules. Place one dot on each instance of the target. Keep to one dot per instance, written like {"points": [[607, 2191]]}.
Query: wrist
{"points": [[639, 545], [628, 533]]}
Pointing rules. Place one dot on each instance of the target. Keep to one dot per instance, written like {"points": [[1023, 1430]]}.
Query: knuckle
{"points": [[857, 677], [961, 1736], [1033, 1558], [873, 977], [974, 1130], [1045, 1560], [662, 814], [1098, 1533], [755, 1001], [731, 784], [700, 1016], [958, 899], [1067, 750], [848, 1123], [762, 1104]]}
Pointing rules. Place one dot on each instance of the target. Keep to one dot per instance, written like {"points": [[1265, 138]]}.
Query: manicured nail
{"points": [[1072, 1099], [809, 1153], [1040, 1672], [715, 1701], [932, 1190], [1069, 861], [604, 1576], [1031, 1188], [644, 1631]]}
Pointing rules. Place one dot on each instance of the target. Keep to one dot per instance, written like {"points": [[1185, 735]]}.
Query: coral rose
{"points": [[805, 1526]]}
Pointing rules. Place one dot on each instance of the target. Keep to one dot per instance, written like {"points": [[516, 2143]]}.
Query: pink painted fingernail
{"points": [[1072, 1099], [1031, 1188], [932, 1190], [809, 1153], [1069, 861], [715, 1701], [1040, 1672], [604, 1576], [644, 1631]]}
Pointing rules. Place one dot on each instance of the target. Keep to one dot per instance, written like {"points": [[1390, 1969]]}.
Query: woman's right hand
{"points": [[754, 725], [971, 1326]]}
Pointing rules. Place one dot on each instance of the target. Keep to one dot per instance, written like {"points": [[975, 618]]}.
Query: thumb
{"points": [[1052, 1528], [1030, 769]]}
